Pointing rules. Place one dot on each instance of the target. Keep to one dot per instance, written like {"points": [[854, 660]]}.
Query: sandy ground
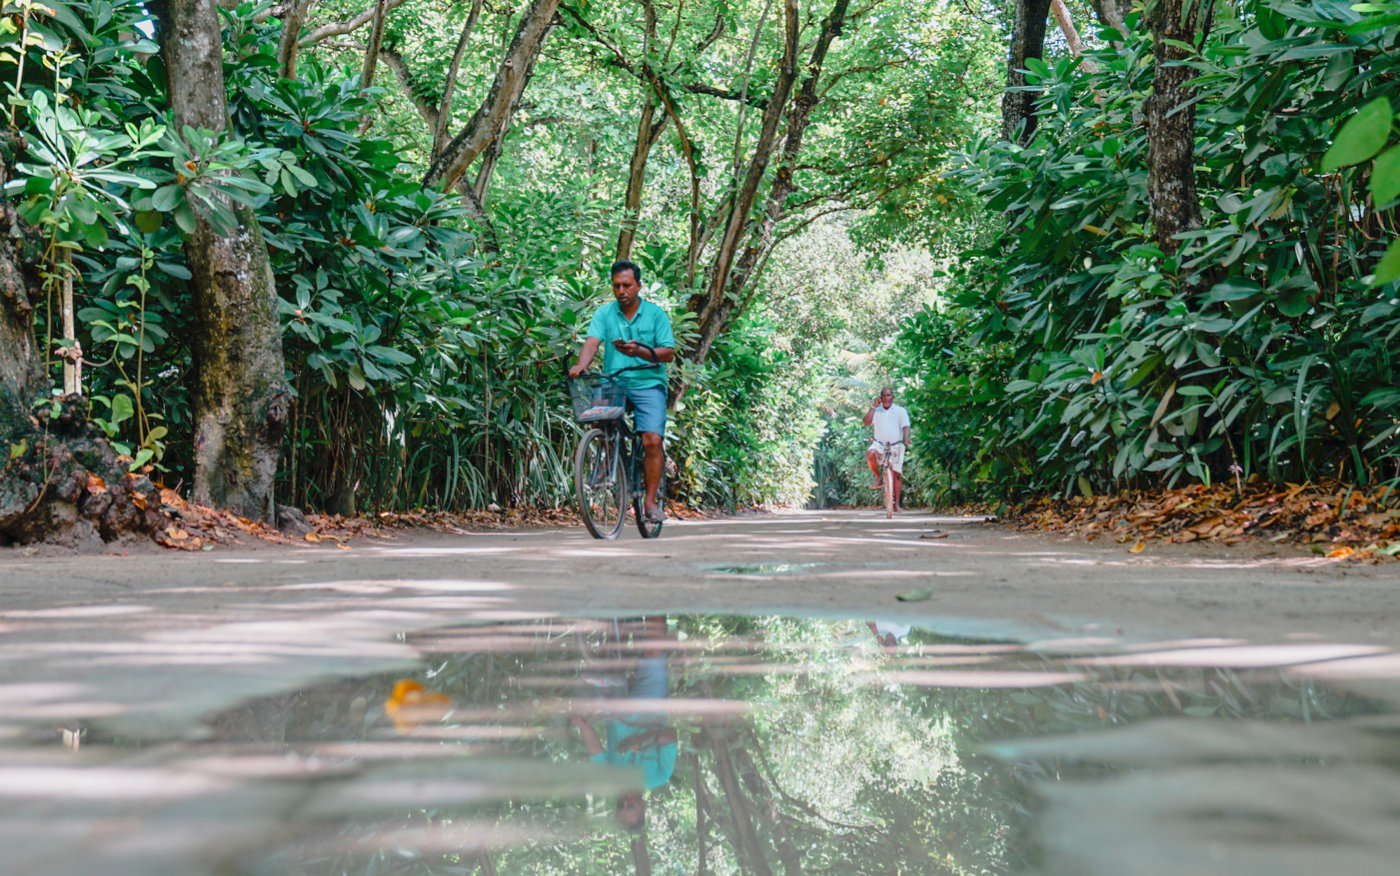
{"points": [[157, 640]]}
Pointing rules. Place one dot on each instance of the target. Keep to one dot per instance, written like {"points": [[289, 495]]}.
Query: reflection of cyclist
{"points": [[638, 332], [642, 739], [891, 423]]}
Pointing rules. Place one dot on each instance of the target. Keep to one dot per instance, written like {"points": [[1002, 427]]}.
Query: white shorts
{"points": [[896, 454]]}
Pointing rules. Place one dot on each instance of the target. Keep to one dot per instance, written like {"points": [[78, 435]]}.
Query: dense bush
{"points": [[1262, 348]]}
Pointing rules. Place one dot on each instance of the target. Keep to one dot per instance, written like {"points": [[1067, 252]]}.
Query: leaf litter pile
{"points": [[198, 528], [1337, 520]]}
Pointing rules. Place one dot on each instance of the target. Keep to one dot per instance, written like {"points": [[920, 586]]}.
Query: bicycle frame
{"points": [[887, 475], [626, 457]]}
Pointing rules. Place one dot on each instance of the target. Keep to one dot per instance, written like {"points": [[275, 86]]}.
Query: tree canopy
{"points": [[1130, 247]]}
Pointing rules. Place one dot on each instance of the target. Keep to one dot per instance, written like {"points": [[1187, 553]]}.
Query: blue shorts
{"points": [[648, 408]]}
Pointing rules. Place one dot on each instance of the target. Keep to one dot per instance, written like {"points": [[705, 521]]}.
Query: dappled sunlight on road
{"points": [[1237, 656]]}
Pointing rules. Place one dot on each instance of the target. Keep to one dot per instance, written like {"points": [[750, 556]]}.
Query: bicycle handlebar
{"points": [[611, 373]]}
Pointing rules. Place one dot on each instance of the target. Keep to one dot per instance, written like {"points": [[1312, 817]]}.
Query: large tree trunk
{"points": [[1110, 14], [737, 223], [727, 300], [430, 114], [1171, 120], [241, 394], [61, 480], [1027, 41], [510, 81]]}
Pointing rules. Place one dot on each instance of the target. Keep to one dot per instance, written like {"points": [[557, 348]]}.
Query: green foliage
{"points": [[1262, 348]]}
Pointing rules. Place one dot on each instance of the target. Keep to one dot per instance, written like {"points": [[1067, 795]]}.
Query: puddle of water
{"points": [[706, 744], [766, 568]]}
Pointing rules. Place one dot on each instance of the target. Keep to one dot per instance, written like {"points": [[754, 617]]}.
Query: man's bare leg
{"points": [[898, 489], [651, 467], [872, 459]]}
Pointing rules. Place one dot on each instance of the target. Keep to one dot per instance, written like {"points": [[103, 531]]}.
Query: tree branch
{"points": [[339, 28], [445, 116]]}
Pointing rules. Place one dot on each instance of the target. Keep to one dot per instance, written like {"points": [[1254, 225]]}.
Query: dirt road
{"points": [[159, 639], [146, 647]]}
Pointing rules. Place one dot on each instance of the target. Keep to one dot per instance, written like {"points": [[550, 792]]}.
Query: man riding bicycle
{"points": [[637, 332], [891, 425]]}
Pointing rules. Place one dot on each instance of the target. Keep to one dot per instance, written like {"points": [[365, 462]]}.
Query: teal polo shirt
{"points": [[649, 325]]}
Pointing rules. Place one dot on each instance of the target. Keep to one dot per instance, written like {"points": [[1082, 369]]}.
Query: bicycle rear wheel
{"points": [[600, 483], [887, 484], [649, 528]]}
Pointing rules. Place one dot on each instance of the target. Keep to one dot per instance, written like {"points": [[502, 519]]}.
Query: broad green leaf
{"points": [[1385, 177], [1388, 271], [166, 198], [148, 221], [122, 409], [1362, 136]]}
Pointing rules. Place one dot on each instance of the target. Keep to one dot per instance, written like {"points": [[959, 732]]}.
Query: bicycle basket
{"points": [[597, 397]]}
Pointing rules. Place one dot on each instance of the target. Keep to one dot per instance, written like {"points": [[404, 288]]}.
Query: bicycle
{"points": [[887, 474], [609, 457]]}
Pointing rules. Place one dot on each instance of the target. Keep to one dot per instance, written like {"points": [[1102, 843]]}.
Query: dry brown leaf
{"points": [[1137, 548]]}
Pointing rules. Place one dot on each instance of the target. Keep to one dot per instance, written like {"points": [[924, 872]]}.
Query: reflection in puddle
{"points": [[704, 744], [766, 568]]}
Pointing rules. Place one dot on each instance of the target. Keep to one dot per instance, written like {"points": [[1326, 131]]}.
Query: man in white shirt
{"points": [[891, 424]]}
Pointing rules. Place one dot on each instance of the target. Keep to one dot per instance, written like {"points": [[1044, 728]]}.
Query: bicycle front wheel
{"points": [[600, 483]]}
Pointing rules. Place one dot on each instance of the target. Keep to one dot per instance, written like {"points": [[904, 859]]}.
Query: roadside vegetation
{"points": [[1095, 248]]}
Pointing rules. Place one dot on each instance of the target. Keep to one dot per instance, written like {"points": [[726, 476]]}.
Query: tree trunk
{"points": [[737, 223], [647, 134], [492, 153], [241, 396], [641, 859], [291, 33], [1076, 45], [725, 302], [1171, 120], [749, 846], [430, 114], [1027, 41], [371, 62], [1110, 14], [505, 91], [450, 85], [61, 481]]}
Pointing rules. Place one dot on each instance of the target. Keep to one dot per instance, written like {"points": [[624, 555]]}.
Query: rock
{"points": [[291, 521]]}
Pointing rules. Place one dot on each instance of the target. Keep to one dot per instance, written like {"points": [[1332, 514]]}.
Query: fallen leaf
{"points": [[934, 535], [313, 537], [1137, 548], [916, 595], [96, 485]]}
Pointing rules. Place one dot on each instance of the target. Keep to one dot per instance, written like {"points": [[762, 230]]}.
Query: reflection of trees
{"points": [[835, 770]]}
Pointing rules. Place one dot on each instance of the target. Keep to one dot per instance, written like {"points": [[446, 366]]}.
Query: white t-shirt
{"points": [[889, 422]]}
